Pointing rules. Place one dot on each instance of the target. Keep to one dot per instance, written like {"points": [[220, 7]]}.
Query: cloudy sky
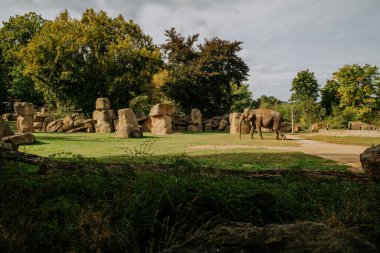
{"points": [[280, 37]]}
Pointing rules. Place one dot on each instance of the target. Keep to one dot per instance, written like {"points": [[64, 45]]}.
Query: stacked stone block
{"points": [[196, 121], [160, 119], [25, 112], [104, 116]]}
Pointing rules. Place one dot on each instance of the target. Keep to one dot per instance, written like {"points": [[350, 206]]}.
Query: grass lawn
{"points": [[108, 148], [348, 140]]}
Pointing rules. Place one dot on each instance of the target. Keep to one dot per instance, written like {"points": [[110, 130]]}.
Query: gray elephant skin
{"points": [[266, 118]]}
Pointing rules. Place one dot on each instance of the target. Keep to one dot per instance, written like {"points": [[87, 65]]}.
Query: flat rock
{"points": [[19, 139]]}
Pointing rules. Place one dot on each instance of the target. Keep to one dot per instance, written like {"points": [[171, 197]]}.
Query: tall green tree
{"points": [[74, 61], [330, 97], [242, 98], [304, 86], [359, 90], [202, 76], [15, 34]]}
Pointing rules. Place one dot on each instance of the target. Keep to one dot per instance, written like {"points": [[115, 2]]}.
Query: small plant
{"points": [[143, 152]]}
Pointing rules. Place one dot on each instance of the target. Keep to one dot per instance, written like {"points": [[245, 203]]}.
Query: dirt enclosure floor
{"points": [[345, 154]]}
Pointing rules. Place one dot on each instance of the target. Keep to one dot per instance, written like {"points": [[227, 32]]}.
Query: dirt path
{"points": [[345, 154]]}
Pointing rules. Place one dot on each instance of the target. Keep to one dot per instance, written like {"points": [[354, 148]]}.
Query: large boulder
{"points": [[103, 104], [54, 126], [161, 124], [4, 129], [162, 109], [147, 125], [19, 139], [104, 120], [68, 123], [127, 125], [370, 160], [193, 128], [234, 124], [289, 238], [24, 108], [25, 124], [223, 124], [46, 122], [196, 117]]}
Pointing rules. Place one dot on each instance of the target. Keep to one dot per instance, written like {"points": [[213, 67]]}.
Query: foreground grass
{"points": [[96, 209], [346, 140]]}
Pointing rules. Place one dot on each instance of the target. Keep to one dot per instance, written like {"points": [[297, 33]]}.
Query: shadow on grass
{"points": [[242, 160]]}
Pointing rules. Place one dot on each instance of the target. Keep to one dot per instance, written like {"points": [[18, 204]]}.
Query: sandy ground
{"points": [[345, 154]]}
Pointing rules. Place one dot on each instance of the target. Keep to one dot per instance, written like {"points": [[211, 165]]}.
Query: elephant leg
{"points": [[277, 135], [252, 131], [259, 131]]}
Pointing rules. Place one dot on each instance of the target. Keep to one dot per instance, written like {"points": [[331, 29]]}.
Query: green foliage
{"points": [[330, 96], [242, 98], [359, 90], [114, 210], [304, 87], [308, 112], [141, 104], [15, 34], [268, 102], [74, 61], [202, 77]]}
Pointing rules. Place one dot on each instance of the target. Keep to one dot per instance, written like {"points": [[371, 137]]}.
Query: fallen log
{"points": [[43, 163]]}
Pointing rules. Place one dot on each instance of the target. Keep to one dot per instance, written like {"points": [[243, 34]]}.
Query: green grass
{"points": [[107, 148], [347, 140], [94, 210]]}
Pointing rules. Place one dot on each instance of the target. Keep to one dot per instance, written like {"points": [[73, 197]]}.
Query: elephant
{"points": [[258, 118]]}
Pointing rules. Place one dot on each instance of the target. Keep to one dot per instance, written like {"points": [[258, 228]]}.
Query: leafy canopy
{"points": [[74, 61], [15, 34], [202, 76], [359, 89], [304, 86]]}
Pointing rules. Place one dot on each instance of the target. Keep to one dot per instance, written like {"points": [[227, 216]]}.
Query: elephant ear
{"points": [[251, 116]]}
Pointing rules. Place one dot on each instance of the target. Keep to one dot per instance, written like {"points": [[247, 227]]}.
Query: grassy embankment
{"points": [[98, 209]]}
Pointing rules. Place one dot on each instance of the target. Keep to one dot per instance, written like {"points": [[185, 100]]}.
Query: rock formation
{"points": [[104, 116], [4, 129], [25, 113], [196, 121], [160, 118], [289, 238], [234, 124], [127, 125], [370, 160]]}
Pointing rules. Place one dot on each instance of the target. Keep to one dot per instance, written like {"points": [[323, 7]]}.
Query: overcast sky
{"points": [[280, 37]]}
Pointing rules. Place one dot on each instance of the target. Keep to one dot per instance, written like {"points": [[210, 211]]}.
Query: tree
{"points": [[202, 77], [359, 90], [74, 61], [242, 98], [15, 34], [304, 86], [329, 96], [268, 102]]}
